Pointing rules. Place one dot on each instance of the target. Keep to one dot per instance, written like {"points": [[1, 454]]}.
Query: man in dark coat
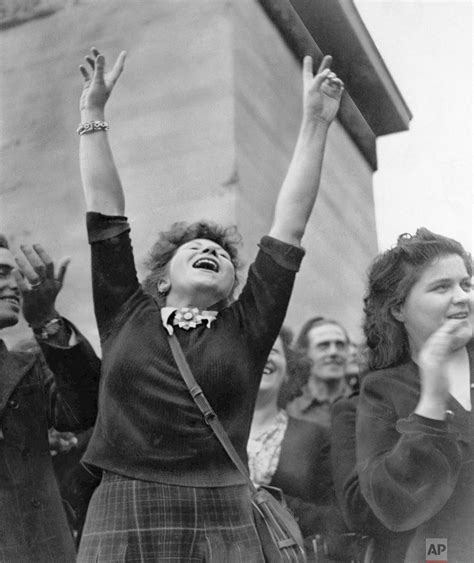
{"points": [[33, 524]]}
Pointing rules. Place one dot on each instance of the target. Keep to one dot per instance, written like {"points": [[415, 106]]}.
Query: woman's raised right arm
{"points": [[101, 182]]}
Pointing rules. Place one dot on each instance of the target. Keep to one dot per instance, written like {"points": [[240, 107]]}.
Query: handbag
{"points": [[348, 547], [276, 526]]}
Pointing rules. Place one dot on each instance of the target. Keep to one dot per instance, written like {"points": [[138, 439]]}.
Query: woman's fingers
{"points": [[321, 77], [323, 71], [84, 72], [91, 61], [325, 63], [118, 67], [307, 69], [96, 61], [324, 75], [99, 67], [333, 85]]}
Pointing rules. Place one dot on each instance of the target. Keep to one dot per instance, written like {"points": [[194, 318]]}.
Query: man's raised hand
{"points": [[39, 284]]}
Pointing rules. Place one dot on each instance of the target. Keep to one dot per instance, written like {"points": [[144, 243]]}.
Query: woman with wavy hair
{"points": [[414, 422], [169, 492]]}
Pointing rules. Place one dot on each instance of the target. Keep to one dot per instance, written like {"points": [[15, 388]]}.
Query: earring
{"points": [[163, 287]]}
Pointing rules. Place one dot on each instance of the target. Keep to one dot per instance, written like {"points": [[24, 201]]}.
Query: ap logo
{"points": [[436, 550]]}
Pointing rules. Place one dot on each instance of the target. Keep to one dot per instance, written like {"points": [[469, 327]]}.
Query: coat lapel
{"points": [[13, 367]]}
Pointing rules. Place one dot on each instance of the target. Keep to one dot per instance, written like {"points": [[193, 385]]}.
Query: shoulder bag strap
{"points": [[209, 415]]}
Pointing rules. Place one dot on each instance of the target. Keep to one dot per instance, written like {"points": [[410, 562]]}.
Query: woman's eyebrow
{"points": [[440, 280]]}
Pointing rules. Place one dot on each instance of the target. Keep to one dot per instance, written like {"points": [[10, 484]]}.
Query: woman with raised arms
{"points": [[168, 491]]}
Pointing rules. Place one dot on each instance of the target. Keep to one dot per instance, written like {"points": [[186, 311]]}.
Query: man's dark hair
{"points": [[302, 342]]}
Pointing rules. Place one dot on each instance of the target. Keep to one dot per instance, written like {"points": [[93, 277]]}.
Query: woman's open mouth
{"points": [[209, 264]]}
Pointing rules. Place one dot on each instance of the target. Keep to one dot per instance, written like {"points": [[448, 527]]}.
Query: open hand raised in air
{"points": [[39, 283], [98, 84], [321, 92]]}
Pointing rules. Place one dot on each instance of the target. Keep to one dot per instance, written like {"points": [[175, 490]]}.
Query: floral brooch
{"points": [[187, 317]]}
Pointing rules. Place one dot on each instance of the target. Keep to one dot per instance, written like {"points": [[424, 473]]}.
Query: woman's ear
{"points": [[398, 313], [163, 286]]}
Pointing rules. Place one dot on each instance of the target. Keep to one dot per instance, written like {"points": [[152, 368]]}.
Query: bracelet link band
{"points": [[92, 126], [50, 328]]}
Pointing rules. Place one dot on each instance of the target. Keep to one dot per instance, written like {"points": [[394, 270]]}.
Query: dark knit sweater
{"points": [[148, 426]]}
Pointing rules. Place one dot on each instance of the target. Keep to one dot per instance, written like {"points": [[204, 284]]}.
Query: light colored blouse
{"points": [[264, 450]]}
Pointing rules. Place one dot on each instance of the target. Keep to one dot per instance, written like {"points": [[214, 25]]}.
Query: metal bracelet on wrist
{"points": [[92, 126], [49, 329]]}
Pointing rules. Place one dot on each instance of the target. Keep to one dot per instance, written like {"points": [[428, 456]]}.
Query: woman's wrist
{"points": [[311, 122], [92, 114], [432, 405]]}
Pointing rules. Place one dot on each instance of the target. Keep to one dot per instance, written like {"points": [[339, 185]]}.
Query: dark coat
{"points": [[304, 475], [33, 525], [303, 468], [390, 547], [417, 473]]}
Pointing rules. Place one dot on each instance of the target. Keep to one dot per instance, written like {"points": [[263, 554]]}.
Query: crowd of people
{"points": [[110, 460]]}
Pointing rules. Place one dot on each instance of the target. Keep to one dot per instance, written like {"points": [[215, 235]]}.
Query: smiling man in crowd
{"points": [[33, 525], [326, 345]]}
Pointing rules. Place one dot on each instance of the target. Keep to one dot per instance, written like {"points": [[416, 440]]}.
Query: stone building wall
{"points": [[203, 123]]}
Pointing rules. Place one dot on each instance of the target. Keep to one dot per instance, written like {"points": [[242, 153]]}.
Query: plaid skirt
{"points": [[131, 520]]}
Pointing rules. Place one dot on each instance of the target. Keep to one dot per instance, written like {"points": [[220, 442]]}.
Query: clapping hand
{"points": [[434, 355], [99, 85], [321, 92]]}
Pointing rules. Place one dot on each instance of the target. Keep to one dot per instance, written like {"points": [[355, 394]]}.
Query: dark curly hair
{"points": [[180, 233], [390, 279], [297, 369]]}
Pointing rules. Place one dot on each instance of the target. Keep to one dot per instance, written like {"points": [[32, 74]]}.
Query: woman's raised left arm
{"points": [[321, 96]]}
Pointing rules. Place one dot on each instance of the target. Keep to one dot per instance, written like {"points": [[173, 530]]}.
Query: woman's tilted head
{"points": [[412, 289], [195, 262]]}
